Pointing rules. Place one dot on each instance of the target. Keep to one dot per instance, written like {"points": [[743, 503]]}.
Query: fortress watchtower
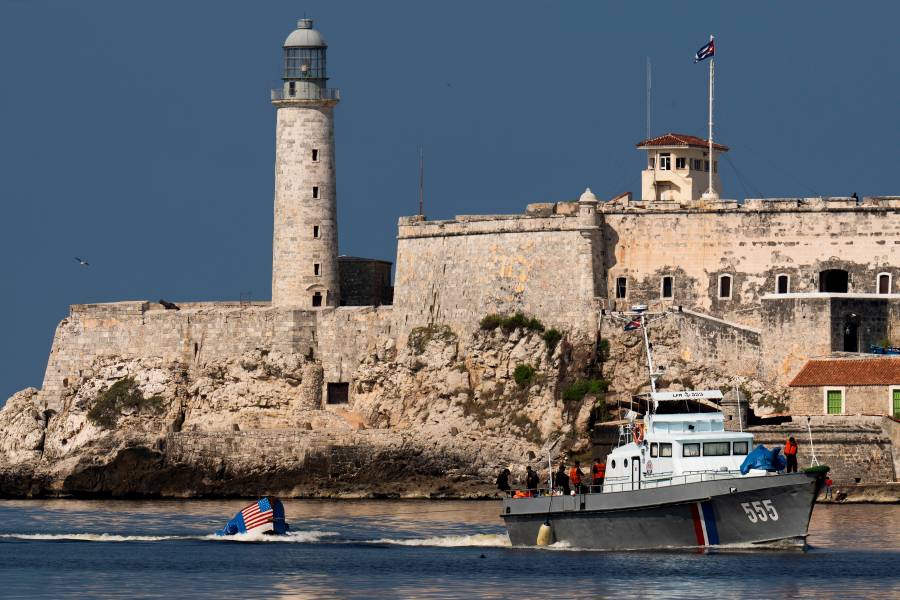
{"points": [[678, 168], [305, 240]]}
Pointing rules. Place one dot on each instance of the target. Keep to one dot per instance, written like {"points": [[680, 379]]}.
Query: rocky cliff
{"points": [[437, 418]]}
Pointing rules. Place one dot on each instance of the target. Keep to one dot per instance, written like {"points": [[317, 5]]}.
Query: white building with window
{"points": [[678, 168]]}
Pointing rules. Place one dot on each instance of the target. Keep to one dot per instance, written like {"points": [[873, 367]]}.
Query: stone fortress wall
{"points": [[753, 243], [456, 272]]}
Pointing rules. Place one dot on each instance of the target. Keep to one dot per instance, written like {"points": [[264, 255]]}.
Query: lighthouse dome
{"points": [[305, 36]]}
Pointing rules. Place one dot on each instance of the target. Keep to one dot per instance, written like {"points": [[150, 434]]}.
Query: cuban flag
{"points": [[706, 51], [632, 325]]}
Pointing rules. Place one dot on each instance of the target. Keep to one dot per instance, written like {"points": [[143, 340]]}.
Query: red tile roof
{"points": [[852, 371], [680, 139]]}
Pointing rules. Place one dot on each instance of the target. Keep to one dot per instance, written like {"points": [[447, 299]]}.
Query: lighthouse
{"points": [[305, 239]]}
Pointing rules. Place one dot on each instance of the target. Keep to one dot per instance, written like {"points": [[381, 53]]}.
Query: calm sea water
{"points": [[388, 549]]}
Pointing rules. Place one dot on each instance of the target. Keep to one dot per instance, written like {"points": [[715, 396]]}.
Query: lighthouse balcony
{"points": [[306, 93]]}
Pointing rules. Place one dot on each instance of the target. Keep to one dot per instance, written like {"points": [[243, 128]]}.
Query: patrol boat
{"points": [[675, 480]]}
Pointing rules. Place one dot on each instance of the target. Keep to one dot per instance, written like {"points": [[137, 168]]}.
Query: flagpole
{"points": [[711, 192]]}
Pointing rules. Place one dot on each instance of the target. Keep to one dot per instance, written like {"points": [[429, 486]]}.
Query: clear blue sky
{"points": [[139, 135]]}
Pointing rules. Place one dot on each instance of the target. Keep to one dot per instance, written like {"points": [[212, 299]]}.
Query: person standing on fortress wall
{"points": [[828, 485], [503, 480], [790, 454]]}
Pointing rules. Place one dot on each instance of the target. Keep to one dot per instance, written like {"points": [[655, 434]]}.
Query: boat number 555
{"points": [[760, 511]]}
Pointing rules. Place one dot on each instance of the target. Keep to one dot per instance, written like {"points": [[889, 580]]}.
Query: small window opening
{"points": [[651, 163], [665, 450], [317, 269], [654, 450], [740, 448], [690, 450], [292, 88], [715, 166], [784, 285], [65, 382], [680, 163], [315, 155], [621, 287], [706, 166], [725, 286], [338, 393], [665, 163], [317, 299], [315, 231], [884, 283], [196, 349], [315, 191], [667, 287], [697, 164]]}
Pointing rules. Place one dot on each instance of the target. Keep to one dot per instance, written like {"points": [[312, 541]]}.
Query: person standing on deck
{"points": [[532, 481], [561, 481], [790, 454], [503, 480], [575, 476], [598, 472]]}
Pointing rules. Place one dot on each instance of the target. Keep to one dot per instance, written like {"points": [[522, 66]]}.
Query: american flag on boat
{"points": [[258, 514]]}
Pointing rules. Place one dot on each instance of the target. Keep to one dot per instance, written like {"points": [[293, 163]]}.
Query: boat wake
{"points": [[298, 537], [482, 540]]}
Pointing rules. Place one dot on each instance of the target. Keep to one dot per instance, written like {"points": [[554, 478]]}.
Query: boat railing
{"points": [[626, 484]]}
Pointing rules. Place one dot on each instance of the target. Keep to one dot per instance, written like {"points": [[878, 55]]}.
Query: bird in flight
{"points": [[82, 262]]}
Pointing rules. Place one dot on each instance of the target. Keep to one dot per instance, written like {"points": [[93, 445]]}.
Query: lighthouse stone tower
{"points": [[305, 241]]}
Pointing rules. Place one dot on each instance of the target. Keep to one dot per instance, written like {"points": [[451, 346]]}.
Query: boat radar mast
{"points": [[639, 318]]}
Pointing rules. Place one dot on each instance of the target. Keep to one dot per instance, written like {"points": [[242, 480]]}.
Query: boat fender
{"points": [[545, 535]]}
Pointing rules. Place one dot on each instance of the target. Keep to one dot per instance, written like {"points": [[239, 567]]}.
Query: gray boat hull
{"points": [[737, 511]]}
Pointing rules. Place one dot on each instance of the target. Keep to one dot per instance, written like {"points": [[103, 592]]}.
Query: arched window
{"points": [[835, 281], [317, 299], [884, 283], [724, 287], [783, 284]]}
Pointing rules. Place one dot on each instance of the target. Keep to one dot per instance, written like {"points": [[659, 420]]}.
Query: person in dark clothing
{"points": [[532, 481], [561, 481], [503, 480]]}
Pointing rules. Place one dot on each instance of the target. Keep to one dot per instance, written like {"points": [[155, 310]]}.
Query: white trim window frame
{"points": [[890, 281], [730, 286], [778, 281], [843, 392], [891, 390]]}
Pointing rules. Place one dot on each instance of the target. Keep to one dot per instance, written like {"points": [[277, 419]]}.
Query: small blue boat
{"points": [[265, 516]]}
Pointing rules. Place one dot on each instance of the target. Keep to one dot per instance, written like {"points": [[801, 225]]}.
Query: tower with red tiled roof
{"points": [[678, 168]]}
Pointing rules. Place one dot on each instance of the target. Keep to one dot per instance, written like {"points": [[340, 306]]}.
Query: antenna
{"points": [[649, 89], [421, 182]]}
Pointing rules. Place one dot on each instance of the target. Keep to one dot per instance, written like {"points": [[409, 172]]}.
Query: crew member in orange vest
{"points": [[790, 454], [575, 477], [599, 472]]}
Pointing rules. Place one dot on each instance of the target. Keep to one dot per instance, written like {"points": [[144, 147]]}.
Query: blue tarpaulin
{"points": [[765, 459], [257, 517]]}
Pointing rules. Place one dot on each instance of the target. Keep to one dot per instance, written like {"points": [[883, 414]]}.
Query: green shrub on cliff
{"points": [[581, 388], [420, 336], [510, 323], [122, 395], [491, 322], [551, 338], [524, 375]]}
